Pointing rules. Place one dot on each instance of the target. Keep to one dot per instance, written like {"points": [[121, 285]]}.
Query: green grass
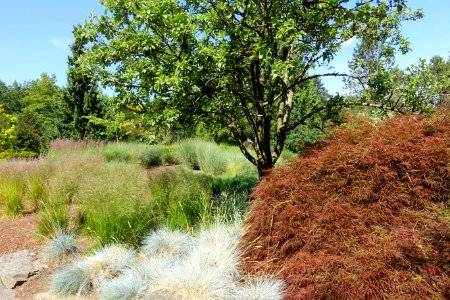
{"points": [[152, 156], [211, 158], [186, 152], [11, 191], [53, 217], [116, 200], [23, 184], [230, 197], [124, 152], [181, 199], [114, 204]]}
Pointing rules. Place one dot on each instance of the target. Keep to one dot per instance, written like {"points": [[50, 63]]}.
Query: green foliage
{"points": [[153, 155], [233, 64], [7, 129], [181, 199], [80, 99], [377, 83]]}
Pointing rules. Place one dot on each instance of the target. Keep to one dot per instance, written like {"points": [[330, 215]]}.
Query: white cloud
{"points": [[62, 43], [349, 42]]}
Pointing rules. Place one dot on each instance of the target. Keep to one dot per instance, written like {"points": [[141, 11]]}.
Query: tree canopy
{"points": [[239, 63]]}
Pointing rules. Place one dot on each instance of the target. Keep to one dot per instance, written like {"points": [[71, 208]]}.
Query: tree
{"points": [[7, 132], [234, 62], [11, 97], [80, 98], [376, 82]]}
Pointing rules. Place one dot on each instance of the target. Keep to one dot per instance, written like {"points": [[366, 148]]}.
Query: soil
{"points": [[19, 233]]}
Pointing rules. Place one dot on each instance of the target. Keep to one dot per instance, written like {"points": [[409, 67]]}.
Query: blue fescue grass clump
{"points": [[164, 242], [260, 288], [72, 280], [90, 272], [61, 243], [170, 265]]}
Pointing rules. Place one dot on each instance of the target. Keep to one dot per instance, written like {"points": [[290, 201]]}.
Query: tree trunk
{"points": [[263, 169]]}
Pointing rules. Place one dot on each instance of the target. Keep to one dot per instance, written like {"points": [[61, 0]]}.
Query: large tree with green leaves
{"points": [[235, 62]]}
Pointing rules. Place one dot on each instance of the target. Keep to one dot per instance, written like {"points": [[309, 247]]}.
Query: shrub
{"points": [[363, 217], [152, 156]]}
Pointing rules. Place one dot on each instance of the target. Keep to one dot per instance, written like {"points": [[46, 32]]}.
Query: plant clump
{"points": [[364, 216], [205, 266]]}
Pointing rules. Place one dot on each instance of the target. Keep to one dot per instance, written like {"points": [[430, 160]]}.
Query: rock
{"points": [[6, 294], [15, 268]]}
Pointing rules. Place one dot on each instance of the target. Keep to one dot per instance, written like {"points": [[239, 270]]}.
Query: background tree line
{"points": [[240, 72]]}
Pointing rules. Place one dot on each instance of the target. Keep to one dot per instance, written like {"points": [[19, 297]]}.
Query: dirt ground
{"points": [[19, 233]]}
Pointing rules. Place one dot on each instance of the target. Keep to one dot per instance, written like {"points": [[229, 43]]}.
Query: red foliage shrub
{"points": [[366, 216]]}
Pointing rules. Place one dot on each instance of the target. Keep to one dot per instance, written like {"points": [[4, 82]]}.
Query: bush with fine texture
{"points": [[186, 152], [152, 156], [363, 217]]}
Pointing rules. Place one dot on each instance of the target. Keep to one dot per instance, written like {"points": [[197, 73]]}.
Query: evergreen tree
{"points": [[80, 99]]}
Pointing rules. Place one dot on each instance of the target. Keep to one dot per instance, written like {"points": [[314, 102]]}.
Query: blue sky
{"points": [[35, 36]]}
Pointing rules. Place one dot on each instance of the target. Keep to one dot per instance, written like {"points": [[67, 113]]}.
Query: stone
{"points": [[6, 294], [15, 268]]}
